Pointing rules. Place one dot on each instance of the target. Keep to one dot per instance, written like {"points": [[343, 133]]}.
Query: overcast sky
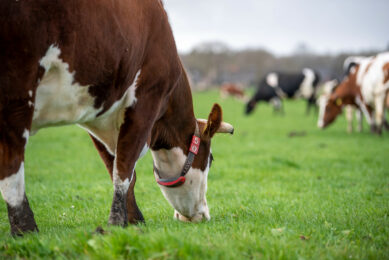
{"points": [[280, 25]]}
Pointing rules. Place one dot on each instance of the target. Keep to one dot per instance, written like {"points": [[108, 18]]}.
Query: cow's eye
{"points": [[210, 160]]}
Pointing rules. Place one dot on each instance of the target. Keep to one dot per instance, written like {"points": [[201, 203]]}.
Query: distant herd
{"points": [[363, 88]]}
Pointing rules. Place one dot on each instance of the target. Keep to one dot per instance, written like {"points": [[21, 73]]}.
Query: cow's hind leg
{"points": [[359, 116], [15, 118], [134, 215], [379, 102]]}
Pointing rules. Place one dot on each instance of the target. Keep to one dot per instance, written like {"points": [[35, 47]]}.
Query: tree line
{"points": [[212, 64]]}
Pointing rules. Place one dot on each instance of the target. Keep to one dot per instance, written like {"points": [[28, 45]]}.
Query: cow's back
{"points": [[371, 76], [290, 83]]}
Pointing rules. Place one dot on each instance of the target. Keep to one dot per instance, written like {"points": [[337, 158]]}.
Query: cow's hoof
{"points": [[386, 125], [137, 219], [118, 215], [21, 219], [116, 220], [373, 129], [22, 230]]}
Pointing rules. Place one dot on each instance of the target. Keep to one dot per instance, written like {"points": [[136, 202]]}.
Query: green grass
{"points": [[322, 195]]}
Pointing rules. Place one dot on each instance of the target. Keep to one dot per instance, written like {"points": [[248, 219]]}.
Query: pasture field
{"points": [[319, 195]]}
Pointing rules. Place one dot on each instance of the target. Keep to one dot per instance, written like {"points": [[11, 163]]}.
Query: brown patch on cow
{"points": [[386, 73], [344, 94]]}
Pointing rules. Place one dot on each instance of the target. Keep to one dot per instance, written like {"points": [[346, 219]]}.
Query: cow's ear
{"points": [[214, 124]]}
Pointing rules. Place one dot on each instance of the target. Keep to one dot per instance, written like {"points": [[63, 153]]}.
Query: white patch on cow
{"points": [[189, 199], [363, 107], [352, 59], [370, 78], [323, 101], [306, 88], [328, 88], [118, 183], [59, 99], [107, 126], [30, 103], [358, 115], [272, 80], [12, 187], [144, 151], [26, 135], [30, 93]]}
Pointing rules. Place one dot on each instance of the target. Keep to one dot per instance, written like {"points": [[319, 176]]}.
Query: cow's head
{"points": [[331, 104], [188, 197], [250, 106], [327, 89]]}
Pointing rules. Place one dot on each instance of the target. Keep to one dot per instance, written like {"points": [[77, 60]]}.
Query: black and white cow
{"points": [[276, 86]]}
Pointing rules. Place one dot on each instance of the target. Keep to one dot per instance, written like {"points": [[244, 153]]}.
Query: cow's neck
{"points": [[172, 133]]}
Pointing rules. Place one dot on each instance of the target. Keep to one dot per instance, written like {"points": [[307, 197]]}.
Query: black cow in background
{"points": [[276, 86]]}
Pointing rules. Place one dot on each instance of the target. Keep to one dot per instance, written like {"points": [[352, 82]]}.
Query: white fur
{"points": [[363, 107], [306, 87], [349, 60], [144, 151], [106, 127], [12, 187], [370, 78], [26, 135], [372, 81], [188, 200], [328, 88], [119, 184], [59, 99], [272, 80], [30, 93]]}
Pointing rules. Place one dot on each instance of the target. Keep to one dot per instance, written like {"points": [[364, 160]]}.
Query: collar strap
{"points": [[193, 150]]}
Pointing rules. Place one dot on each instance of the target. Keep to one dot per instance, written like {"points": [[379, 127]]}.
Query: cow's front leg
{"points": [[359, 116], [20, 215], [133, 213], [133, 136], [349, 118]]}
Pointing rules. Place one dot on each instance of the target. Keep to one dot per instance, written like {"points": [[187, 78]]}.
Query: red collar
{"points": [[193, 150]]}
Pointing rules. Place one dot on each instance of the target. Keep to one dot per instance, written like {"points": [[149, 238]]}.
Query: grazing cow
{"points": [[366, 87], [111, 67], [232, 90], [275, 86], [329, 88]]}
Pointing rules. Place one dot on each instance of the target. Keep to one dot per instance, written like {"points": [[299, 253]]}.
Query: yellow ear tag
{"points": [[338, 102]]}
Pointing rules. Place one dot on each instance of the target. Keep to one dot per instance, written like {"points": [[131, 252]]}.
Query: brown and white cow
{"points": [[366, 87], [111, 67], [327, 89], [232, 90]]}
